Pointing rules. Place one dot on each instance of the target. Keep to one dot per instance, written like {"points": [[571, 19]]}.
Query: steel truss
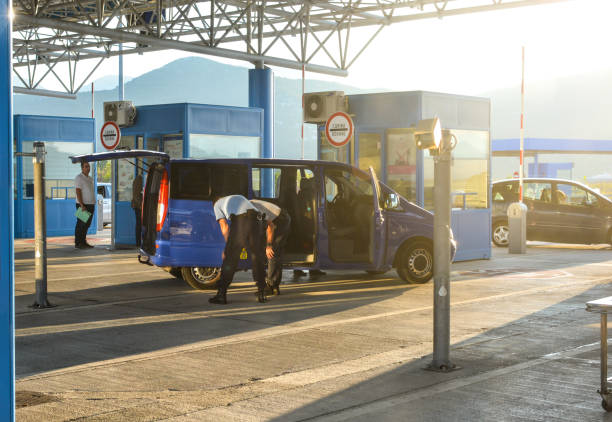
{"points": [[68, 40]]}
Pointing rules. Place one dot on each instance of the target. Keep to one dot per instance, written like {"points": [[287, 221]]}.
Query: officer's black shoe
{"points": [[316, 273], [220, 298], [261, 296], [275, 290], [299, 273]]}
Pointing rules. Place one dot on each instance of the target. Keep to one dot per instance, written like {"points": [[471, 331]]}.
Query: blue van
{"points": [[341, 217]]}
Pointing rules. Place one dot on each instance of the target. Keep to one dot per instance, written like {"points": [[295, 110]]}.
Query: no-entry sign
{"points": [[110, 135], [339, 129]]}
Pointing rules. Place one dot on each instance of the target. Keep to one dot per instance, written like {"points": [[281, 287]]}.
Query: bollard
{"points": [[517, 228], [40, 228]]}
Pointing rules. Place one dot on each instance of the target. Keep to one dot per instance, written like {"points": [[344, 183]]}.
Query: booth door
{"points": [[124, 223]]}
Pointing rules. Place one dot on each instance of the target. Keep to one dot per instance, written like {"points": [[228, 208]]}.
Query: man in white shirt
{"points": [[86, 200]]}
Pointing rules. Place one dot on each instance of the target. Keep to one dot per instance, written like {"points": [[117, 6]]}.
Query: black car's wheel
{"points": [[201, 278], [501, 234], [415, 262]]}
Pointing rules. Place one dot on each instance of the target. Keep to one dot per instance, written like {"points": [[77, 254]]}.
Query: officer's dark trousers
{"points": [[281, 233], [80, 230], [138, 232], [245, 232]]}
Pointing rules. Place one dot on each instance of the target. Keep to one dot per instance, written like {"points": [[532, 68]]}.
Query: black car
{"points": [[558, 210]]}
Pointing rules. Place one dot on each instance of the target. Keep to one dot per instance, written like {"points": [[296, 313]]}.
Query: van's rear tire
{"points": [[201, 278], [415, 262]]}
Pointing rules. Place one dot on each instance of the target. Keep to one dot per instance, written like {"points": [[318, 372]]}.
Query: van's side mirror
{"points": [[392, 201]]}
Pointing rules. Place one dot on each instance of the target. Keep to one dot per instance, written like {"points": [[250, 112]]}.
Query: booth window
{"points": [[328, 152], [402, 162], [59, 170], [223, 146], [369, 152], [470, 171]]}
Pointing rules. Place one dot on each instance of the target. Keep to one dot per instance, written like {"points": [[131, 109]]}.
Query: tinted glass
{"points": [[573, 195], [538, 192], [505, 192], [272, 175], [202, 181]]}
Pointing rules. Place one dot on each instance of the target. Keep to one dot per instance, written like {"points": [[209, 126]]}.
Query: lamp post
{"points": [[429, 136]]}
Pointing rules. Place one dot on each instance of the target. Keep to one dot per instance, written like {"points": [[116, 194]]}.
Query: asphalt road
{"points": [[128, 342]]}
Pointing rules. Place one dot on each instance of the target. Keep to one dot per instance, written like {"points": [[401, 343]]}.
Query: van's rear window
{"points": [[203, 181]]}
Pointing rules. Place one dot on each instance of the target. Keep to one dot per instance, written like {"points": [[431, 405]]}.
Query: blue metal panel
{"points": [[472, 230], [48, 129], [388, 110], [261, 94], [163, 118], [60, 218], [54, 128], [125, 222], [7, 306], [556, 145]]}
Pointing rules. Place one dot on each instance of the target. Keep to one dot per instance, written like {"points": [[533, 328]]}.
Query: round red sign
{"points": [[339, 129], [110, 135]]}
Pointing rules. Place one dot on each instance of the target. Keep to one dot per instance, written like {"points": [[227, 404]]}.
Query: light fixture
{"points": [[428, 133]]}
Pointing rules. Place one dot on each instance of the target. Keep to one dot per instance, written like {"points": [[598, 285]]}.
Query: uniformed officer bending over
{"points": [[278, 224], [244, 232]]}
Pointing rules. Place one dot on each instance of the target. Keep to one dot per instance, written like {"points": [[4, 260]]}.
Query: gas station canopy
{"points": [[68, 40]]}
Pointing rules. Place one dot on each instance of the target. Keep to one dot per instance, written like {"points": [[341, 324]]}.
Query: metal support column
{"points": [[7, 263], [442, 221], [261, 94]]}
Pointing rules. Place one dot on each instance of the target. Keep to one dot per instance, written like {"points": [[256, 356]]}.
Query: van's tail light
{"points": [[162, 201]]}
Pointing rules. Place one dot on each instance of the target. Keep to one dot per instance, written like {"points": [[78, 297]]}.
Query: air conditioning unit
{"points": [[121, 112], [318, 106]]}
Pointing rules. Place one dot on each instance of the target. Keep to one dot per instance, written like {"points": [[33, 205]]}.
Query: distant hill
{"points": [[570, 107], [575, 107], [196, 80]]}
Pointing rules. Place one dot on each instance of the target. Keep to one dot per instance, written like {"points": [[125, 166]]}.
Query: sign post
{"points": [[339, 129], [110, 135]]}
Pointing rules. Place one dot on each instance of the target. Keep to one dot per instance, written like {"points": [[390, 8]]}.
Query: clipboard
{"points": [[82, 215]]}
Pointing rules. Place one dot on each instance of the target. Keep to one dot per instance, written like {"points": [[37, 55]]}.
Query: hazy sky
{"points": [[465, 54]]}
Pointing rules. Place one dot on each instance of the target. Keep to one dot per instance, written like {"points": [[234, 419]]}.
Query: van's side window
{"points": [[202, 181], [259, 175]]}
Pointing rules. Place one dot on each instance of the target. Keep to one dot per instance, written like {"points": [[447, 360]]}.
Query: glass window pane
{"points": [[537, 192], [571, 195], [273, 175], [173, 145], [369, 151], [59, 169], [125, 171], [469, 171], [223, 146], [328, 152], [401, 163]]}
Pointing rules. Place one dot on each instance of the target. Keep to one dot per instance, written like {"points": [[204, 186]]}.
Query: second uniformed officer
{"points": [[244, 231], [278, 224]]}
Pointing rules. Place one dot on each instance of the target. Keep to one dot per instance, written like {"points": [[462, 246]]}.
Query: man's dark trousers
{"points": [[80, 230], [138, 233], [244, 232], [282, 225]]}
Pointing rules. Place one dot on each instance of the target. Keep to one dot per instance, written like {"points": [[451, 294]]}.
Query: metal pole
{"points": [[7, 257], [442, 220], [522, 134], [40, 227], [604, 353]]}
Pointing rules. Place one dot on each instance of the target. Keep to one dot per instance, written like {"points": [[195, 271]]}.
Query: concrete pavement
{"points": [[129, 342]]}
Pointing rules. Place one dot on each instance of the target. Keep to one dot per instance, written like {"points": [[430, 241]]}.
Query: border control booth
{"points": [[182, 130], [63, 137], [382, 140]]}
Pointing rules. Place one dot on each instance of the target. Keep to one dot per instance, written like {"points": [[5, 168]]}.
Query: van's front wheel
{"points": [[415, 263], [201, 278]]}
